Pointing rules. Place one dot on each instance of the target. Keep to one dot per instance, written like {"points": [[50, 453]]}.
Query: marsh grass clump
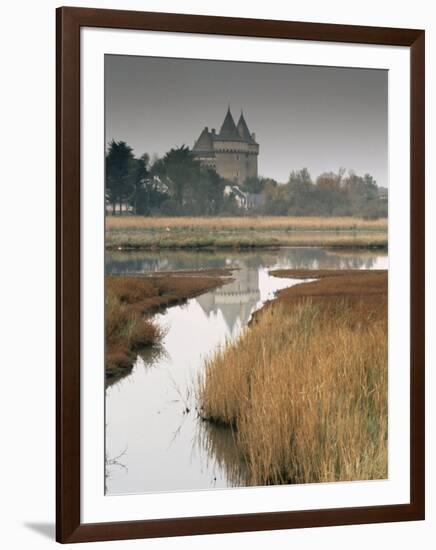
{"points": [[149, 294], [127, 332], [130, 302], [305, 391]]}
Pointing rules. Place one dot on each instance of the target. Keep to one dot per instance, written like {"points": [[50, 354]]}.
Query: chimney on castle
{"points": [[253, 136], [213, 131], [206, 128]]}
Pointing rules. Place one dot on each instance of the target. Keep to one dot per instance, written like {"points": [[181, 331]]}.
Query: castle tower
{"points": [[232, 152], [253, 147]]}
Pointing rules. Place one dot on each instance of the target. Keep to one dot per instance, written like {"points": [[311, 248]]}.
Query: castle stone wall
{"points": [[252, 165], [231, 166]]}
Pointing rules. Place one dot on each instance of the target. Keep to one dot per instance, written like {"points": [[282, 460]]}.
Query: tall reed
{"points": [[305, 389]]}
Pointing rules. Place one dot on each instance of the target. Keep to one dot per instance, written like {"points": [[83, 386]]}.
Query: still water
{"points": [[154, 438]]}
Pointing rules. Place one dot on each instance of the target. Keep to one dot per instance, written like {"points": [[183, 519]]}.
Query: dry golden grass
{"points": [[289, 223], [127, 331], [365, 291], [305, 386], [325, 273], [149, 294]]}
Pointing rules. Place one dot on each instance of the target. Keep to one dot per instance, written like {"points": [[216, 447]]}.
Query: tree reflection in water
{"points": [[139, 262]]}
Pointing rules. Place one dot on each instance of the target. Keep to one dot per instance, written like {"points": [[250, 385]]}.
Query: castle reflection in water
{"points": [[236, 300]]}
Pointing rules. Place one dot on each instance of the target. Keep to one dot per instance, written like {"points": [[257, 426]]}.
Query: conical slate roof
{"points": [[243, 130], [228, 129], [204, 142]]}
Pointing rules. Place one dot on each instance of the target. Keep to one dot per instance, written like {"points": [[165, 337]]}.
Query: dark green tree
{"points": [[119, 169], [140, 180], [178, 170], [148, 194]]}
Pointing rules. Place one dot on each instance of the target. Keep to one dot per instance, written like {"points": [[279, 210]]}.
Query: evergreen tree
{"points": [[119, 169]]}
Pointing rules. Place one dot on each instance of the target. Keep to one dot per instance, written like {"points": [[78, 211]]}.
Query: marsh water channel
{"points": [[155, 440]]}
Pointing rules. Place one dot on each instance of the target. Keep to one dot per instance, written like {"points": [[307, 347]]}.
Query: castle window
{"points": [[237, 157]]}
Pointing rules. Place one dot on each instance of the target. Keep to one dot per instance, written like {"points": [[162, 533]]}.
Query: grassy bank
{"points": [[127, 332], [305, 386], [242, 233], [326, 274], [130, 301], [240, 240]]}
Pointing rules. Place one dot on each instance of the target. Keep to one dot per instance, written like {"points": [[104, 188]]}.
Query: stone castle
{"points": [[232, 153]]}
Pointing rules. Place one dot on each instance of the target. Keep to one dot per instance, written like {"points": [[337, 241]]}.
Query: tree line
{"points": [[331, 194], [177, 185]]}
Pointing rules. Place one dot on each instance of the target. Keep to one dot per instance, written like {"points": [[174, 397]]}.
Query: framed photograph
{"points": [[240, 271]]}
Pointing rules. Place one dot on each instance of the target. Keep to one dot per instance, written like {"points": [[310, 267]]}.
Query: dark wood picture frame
{"points": [[68, 523]]}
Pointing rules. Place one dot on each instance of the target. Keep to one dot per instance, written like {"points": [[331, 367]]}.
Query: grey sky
{"points": [[303, 116]]}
